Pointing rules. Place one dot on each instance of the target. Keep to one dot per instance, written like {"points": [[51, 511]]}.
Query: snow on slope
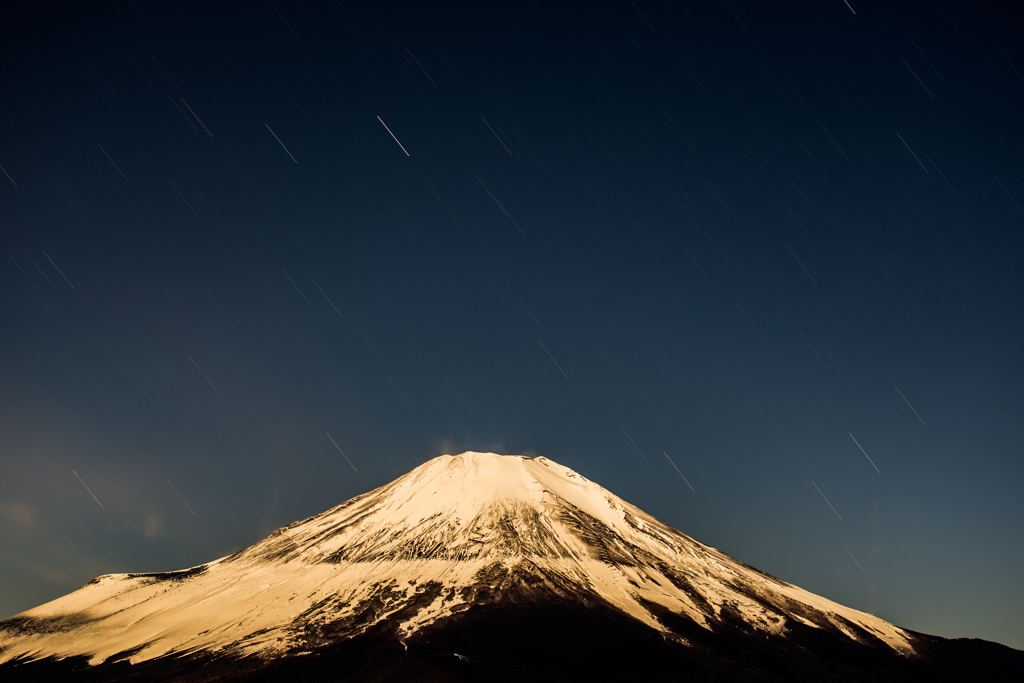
{"points": [[413, 550]]}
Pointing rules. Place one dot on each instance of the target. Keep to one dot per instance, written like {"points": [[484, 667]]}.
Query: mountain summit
{"points": [[474, 567]]}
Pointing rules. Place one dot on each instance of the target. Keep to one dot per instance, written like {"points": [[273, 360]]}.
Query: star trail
{"points": [[280, 254]]}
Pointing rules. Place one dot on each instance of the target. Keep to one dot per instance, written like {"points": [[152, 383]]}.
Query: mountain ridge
{"points": [[418, 558]]}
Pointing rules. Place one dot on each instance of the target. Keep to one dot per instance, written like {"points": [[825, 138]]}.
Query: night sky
{"points": [[753, 267]]}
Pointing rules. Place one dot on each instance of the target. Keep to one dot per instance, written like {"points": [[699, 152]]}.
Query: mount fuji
{"points": [[475, 567]]}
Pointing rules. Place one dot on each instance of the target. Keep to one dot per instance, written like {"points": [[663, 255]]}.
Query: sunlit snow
{"points": [[427, 539]]}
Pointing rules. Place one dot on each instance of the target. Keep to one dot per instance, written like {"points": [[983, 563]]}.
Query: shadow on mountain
{"points": [[536, 635]]}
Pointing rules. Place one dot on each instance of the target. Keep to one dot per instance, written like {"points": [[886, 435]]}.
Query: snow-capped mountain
{"points": [[419, 570]]}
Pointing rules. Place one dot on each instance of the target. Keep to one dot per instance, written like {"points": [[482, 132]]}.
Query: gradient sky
{"points": [[780, 245]]}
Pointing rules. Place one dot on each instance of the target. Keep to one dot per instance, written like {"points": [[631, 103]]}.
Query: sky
{"points": [[753, 267]]}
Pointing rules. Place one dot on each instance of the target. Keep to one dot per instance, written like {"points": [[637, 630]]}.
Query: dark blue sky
{"points": [[779, 245]]}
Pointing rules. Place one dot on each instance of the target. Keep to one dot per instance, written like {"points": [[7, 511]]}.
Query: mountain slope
{"points": [[462, 546]]}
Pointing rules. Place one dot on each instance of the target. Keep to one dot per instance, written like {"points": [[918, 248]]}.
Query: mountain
{"points": [[475, 567]]}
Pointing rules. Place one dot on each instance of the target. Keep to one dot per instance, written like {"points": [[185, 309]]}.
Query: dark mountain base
{"points": [[532, 642]]}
